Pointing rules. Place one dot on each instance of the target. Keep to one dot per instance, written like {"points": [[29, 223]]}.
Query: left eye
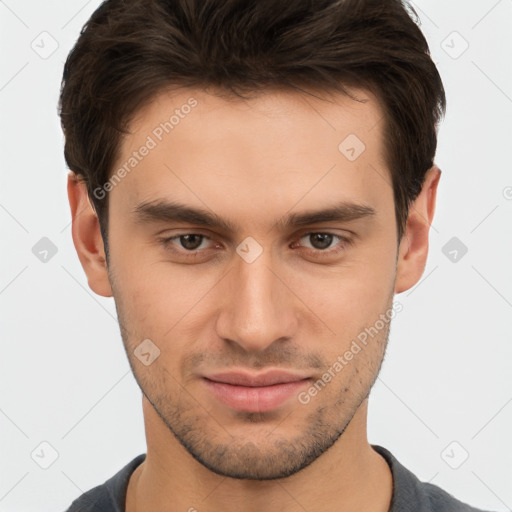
{"points": [[322, 240]]}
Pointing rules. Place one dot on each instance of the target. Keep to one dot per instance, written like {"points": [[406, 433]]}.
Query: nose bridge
{"points": [[258, 308]]}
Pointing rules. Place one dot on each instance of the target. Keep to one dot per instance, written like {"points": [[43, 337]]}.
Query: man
{"points": [[293, 142]]}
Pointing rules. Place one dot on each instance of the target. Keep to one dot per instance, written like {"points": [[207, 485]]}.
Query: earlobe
{"points": [[87, 236], [413, 250]]}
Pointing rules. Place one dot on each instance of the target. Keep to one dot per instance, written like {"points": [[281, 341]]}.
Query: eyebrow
{"points": [[160, 210]]}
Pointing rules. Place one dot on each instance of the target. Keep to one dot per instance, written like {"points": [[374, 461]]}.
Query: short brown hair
{"points": [[130, 50]]}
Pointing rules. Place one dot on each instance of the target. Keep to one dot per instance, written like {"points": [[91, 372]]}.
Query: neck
{"points": [[348, 477]]}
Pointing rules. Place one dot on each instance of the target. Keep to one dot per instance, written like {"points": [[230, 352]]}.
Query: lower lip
{"points": [[254, 399]]}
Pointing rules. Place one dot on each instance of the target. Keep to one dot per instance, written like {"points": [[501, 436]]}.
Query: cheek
{"points": [[158, 300], [354, 294], [139, 291]]}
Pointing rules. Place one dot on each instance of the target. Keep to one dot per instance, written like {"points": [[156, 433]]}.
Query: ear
{"points": [[413, 250], [87, 237]]}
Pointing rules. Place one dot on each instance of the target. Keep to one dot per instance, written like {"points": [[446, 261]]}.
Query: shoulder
{"points": [[109, 496], [409, 491], [439, 500], [94, 500]]}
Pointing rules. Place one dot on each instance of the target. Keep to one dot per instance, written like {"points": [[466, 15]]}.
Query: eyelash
{"points": [[344, 242]]}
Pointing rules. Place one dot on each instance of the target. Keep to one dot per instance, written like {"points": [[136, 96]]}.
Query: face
{"points": [[259, 278]]}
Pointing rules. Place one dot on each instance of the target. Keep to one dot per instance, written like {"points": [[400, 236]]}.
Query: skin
{"points": [[252, 163]]}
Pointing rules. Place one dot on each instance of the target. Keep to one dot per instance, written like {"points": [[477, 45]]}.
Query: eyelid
{"points": [[167, 240], [337, 248]]}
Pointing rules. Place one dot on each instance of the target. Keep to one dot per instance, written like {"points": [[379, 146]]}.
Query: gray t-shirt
{"points": [[409, 494]]}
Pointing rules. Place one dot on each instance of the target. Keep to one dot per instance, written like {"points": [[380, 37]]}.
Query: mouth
{"points": [[255, 393]]}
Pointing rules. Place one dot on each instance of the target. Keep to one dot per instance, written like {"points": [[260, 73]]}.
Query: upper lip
{"points": [[262, 379]]}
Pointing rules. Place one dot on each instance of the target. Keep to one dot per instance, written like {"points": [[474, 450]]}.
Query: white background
{"points": [[64, 376]]}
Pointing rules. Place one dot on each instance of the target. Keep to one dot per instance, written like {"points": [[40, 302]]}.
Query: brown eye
{"points": [[322, 244], [186, 244], [320, 240], [190, 242]]}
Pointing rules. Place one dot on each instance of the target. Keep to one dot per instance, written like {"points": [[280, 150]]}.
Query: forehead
{"points": [[213, 115], [276, 148]]}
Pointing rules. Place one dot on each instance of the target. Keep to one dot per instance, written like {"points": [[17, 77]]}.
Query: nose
{"points": [[256, 305]]}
